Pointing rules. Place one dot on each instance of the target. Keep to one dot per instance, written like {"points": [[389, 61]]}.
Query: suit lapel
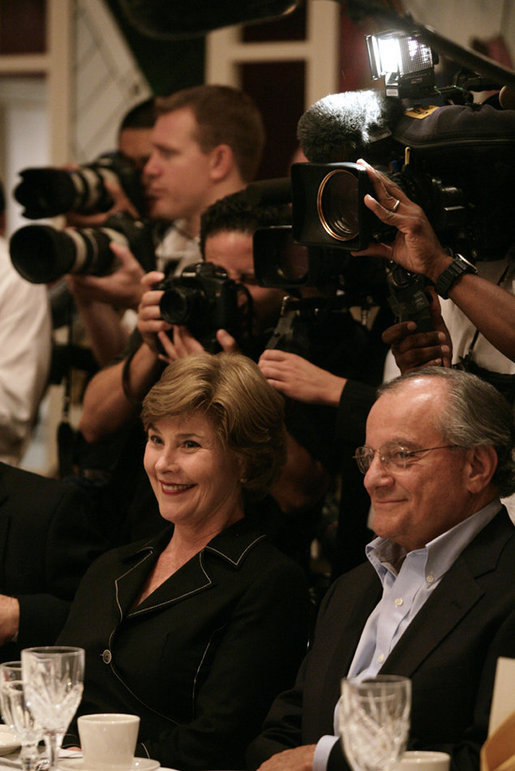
{"points": [[457, 593], [338, 655], [231, 546], [190, 579], [128, 584]]}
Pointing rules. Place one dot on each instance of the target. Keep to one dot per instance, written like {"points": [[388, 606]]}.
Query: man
{"points": [[206, 143], [25, 348], [436, 600], [47, 540], [101, 299], [474, 323], [134, 132]]}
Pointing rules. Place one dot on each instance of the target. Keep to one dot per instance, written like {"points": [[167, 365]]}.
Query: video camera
{"points": [[456, 161], [204, 299], [42, 254], [48, 192]]}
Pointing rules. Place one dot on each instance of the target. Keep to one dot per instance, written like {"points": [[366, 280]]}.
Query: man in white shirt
{"points": [[436, 599], [25, 345], [207, 143]]}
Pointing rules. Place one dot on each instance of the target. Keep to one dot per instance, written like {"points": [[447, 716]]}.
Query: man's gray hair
{"points": [[476, 414]]}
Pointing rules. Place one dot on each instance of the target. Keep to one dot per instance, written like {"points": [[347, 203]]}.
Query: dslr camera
{"points": [[204, 299], [48, 192], [42, 254]]}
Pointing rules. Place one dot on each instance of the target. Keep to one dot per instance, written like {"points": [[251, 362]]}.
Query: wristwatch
{"points": [[457, 268]]}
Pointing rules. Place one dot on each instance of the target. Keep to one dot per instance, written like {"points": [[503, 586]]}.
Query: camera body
{"points": [[48, 192], [204, 299], [457, 162], [42, 254]]}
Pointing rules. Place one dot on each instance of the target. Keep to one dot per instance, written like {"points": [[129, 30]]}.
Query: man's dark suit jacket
{"points": [[449, 651], [47, 541]]}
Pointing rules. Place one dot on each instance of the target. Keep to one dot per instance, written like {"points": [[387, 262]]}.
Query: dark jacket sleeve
{"points": [[283, 727], [69, 544]]}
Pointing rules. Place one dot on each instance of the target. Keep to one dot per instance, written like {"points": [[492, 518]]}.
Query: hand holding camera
{"points": [[150, 322], [120, 203], [413, 349], [121, 288], [415, 246], [195, 311]]}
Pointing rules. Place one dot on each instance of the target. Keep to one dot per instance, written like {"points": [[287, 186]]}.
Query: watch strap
{"points": [[447, 278]]}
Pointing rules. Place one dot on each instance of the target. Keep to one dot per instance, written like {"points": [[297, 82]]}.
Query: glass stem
{"points": [[52, 749]]}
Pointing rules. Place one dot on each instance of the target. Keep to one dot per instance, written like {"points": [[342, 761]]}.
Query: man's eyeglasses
{"points": [[392, 456]]}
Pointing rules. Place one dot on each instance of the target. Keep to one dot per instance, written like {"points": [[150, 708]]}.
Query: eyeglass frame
{"points": [[388, 463]]}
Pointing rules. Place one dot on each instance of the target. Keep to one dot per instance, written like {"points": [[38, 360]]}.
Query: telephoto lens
{"points": [[47, 192], [42, 254]]}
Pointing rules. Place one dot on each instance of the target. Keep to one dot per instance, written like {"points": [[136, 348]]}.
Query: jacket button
{"points": [[107, 656]]}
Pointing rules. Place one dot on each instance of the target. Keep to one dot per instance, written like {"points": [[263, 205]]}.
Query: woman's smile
{"points": [[170, 488]]}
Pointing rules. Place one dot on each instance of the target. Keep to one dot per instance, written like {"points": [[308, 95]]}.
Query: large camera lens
{"points": [[41, 254], [47, 192], [182, 304], [338, 205]]}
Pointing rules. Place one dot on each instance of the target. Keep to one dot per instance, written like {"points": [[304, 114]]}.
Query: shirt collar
{"points": [[437, 555]]}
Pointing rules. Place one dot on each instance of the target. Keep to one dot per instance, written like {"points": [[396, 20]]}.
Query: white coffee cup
{"points": [[425, 760], [108, 740]]}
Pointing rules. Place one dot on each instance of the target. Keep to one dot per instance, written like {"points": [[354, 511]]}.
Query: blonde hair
{"points": [[246, 413]]}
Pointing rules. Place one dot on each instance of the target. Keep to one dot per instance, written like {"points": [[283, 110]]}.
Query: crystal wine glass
{"points": [[374, 719], [17, 715], [53, 677]]}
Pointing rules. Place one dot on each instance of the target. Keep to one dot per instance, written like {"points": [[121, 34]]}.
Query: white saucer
{"points": [[138, 764], [8, 740]]}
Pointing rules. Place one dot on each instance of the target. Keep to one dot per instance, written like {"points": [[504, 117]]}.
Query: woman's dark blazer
{"points": [[200, 659]]}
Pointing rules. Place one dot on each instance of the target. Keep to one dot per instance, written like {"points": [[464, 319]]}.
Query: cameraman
{"points": [[488, 306]]}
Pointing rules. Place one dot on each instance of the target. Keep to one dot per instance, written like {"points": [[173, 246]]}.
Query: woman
{"points": [[199, 628]]}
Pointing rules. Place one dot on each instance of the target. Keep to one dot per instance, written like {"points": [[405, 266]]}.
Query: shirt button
{"points": [[107, 656], [430, 578], [399, 601], [380, 658]]}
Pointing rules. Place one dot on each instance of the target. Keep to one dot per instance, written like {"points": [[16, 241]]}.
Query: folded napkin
{"points": [[498, 752]]}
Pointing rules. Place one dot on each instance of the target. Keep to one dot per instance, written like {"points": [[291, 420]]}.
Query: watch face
{"points": [[469, 264]]}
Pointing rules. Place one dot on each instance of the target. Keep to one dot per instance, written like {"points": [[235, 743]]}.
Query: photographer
{"points": [[206, 143], [489, 306], [335, 379], [102, 300]]}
